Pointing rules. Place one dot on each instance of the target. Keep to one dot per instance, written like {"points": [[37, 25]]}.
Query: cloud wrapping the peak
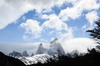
{"points": [[79, 44]]}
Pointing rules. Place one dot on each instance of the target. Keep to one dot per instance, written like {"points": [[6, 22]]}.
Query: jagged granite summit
{"points": [[25, 54], [15, 54], [18, 54], [56, 48], [40, 49], [43, 53]]}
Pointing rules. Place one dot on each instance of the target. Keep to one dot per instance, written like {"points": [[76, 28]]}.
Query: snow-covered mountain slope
{"points": [[56, 48], [42, 58]]}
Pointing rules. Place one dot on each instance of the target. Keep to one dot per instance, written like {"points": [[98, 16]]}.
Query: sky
{"points": [[27, 22]]}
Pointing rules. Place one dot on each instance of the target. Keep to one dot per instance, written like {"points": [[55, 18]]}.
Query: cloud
{"points": [[79, 44], [54, 22], [71, 13], [31, 27], [53, 25], [12, 10], [91, 17], [67, 35], [78, 8], [60, 28]]}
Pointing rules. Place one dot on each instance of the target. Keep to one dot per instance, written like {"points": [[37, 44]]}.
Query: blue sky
{"points": [[13, 33], [32, 21]]}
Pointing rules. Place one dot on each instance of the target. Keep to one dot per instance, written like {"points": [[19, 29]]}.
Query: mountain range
{"points": [[18, 54], [42, 54], [54, 48]]}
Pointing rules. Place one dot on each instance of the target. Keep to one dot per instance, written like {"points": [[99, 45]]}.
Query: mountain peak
{"points": [[32, 54], [54, 40], [56, 48], [40, 49], [25, 54], [15, 54]]}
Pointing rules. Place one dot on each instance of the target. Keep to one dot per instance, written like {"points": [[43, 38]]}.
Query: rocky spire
{"points": [[56, 48], [40, 49], [25, 54]]}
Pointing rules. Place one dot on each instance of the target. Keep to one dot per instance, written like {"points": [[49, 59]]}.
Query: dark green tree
{"points": [[95, 33]]}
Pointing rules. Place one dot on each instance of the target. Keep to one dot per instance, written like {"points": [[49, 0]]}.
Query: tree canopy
{"points": [[95, 33]]}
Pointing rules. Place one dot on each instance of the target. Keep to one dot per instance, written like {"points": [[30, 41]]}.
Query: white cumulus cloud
{"points": [[54, 22], [69, 13], [91, 17], [31, 27], [77, 10], [11, 10]]}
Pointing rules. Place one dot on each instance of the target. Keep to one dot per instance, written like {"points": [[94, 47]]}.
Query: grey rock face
{"points": [[40, 49], [15, 54], [56, 48], [25, 54]]}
